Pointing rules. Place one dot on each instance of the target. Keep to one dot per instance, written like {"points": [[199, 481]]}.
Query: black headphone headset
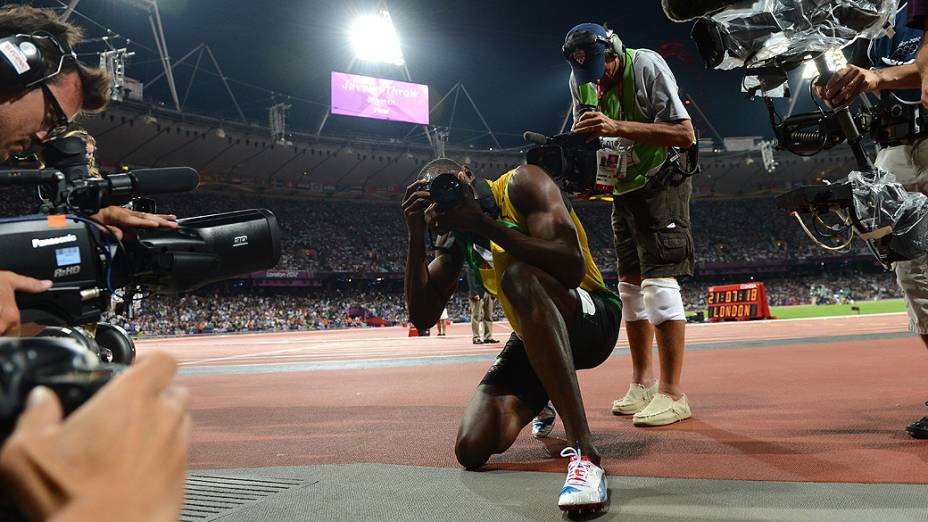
{"points": [[587, 39], [22, 61]]}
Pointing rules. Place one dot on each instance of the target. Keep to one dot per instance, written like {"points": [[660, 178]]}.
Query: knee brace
{"points": [[632, 302], [662, 300]]}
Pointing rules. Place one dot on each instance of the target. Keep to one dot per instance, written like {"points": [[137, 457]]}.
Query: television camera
{"points": [[573, 160], [89, 265], [769, 39]]}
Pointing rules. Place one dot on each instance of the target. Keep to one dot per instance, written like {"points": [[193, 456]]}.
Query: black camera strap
{"points": [[672, 172]]}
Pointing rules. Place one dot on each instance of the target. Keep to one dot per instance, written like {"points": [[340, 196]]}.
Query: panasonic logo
{"points": [[38, 243]]}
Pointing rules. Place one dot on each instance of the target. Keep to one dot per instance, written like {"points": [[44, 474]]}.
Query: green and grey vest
{"points": [[646, 160]]}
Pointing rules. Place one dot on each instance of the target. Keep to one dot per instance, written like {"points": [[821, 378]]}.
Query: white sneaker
{"points": [[585, 487], [663, 410], [635, 400], [544, 422]]}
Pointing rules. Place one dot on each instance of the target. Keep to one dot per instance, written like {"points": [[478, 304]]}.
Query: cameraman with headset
{"points": [[43, 88], [894, 69], [123, 453], [632, 95]]}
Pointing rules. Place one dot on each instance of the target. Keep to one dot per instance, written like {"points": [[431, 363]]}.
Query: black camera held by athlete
{"points": [[85, 261], [446, 190]]}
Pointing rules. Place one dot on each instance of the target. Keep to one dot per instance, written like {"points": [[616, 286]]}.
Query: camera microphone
{"points": [[535, 137], [120, 188]]}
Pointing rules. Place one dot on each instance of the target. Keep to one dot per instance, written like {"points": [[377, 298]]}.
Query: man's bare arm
{"points": [[551, 242], [678, 133], [921, 61], [428, 285]]}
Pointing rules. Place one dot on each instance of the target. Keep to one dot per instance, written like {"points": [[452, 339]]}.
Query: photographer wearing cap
{"points": [[895, 62], [43, 89], [528, 248], [632, 94]]}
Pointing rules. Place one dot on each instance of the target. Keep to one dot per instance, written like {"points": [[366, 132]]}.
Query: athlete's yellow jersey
{"points": [[491, 272]]}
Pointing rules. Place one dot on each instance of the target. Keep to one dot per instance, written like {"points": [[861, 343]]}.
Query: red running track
{"points": [[821, 412]]}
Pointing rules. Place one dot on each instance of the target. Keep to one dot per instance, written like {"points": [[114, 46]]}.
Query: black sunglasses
{"points": [[61, 119]]}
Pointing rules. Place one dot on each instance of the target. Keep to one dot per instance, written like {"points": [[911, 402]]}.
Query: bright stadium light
{"points": [[374, 39], [835, 59]]}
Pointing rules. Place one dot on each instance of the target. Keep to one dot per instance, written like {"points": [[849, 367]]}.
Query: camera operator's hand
{"points": [[597, 125], [847, 84], [415, 201], [120, 217], [120, 456], [466, 216], [11, 283]]}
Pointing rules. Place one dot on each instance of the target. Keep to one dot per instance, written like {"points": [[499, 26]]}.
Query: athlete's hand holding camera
{"points": [[443, 203]]}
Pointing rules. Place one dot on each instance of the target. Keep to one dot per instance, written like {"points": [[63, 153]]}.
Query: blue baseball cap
{"points": [[585, 50]]}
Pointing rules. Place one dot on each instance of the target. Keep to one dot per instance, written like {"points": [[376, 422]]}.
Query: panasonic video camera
{"points": [[87, 264]]}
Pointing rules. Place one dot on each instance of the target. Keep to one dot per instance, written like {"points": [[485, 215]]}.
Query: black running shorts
{"points": [[592, 339]]}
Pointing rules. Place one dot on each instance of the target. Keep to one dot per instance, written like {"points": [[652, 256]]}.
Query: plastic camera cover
{"points": [[880, 201], [788, 30]]}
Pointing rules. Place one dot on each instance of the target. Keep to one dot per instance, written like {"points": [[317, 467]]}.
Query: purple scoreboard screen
{"points": [[381, 99]]}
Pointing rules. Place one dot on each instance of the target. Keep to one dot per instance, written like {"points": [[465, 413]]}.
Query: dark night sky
{"points": [[506, 53]]}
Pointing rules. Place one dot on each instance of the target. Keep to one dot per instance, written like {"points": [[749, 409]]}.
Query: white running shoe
{"points": [[544, 422], [635, 400], [585, 487]]}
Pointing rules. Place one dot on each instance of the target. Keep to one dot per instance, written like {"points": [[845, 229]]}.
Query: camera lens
{"points": [[446, 190]]}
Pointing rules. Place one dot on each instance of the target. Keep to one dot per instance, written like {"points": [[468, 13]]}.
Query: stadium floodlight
{"points": [[835, 59], [374, 39]]}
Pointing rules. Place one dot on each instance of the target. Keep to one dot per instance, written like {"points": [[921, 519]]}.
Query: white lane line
{"points": [[361, 351], [415, 357]]}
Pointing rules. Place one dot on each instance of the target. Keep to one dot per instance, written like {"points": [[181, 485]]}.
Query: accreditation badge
{"points": [[612, 166]]}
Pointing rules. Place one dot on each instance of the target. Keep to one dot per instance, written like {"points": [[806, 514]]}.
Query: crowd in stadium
{"points": [[230, 311], [359, 236], [254, 310], [362, 236]]}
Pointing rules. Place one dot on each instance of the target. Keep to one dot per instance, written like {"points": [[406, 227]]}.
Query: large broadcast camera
{"points": [[89, 265], [573, 160], [568, 158], [770, 38]]}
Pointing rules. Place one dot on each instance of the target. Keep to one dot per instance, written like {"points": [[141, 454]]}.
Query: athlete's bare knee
{"points": [[471, 452]]}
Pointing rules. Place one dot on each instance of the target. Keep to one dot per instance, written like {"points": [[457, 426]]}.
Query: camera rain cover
{"points": [[880, 201], [787, 30]]}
